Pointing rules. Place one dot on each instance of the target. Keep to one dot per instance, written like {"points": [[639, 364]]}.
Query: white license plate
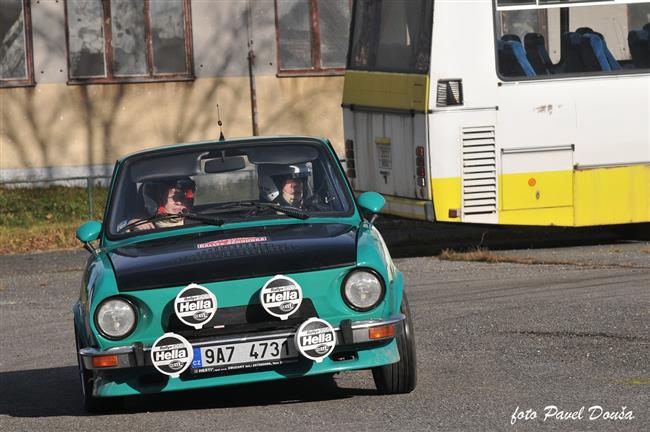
{"points": [[243, 355]]}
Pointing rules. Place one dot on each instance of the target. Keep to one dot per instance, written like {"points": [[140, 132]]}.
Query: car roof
{"points": [[280, 139]]}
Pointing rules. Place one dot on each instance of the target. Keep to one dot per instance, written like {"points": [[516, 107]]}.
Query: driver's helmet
{"points": [[272, 177], [155, 194]]}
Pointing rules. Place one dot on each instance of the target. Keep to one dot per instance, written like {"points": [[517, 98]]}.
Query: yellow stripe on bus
{"points": [[551, 216], [536, 190], [598, 196], [446, 196], [386, 90], [612, 195]]}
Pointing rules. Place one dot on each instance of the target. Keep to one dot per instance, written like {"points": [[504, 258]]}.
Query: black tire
{"points": [[400, 377], [90, 403]]}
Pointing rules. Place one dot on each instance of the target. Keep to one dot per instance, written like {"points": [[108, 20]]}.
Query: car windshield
{"points": [[220, 183]]}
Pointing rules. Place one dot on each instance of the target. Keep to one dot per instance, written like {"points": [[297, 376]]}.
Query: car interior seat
{"points": [[147, 196]]}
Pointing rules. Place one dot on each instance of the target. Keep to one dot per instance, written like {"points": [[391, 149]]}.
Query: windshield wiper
{"points": [[293, 212], [244, 205], [210, 220], [188, 215]]}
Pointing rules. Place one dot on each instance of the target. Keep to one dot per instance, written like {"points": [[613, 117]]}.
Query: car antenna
{"points": [[220, 123]]}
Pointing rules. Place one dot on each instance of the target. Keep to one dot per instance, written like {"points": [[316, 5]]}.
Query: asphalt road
{"points": [[490, 338]]}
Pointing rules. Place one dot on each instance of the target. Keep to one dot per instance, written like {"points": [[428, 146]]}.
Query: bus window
{"points": [[391, 36], [522, 22], [539, 42], [639, 16]]}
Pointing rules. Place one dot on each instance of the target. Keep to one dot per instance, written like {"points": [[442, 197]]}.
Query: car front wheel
{"points": [[400, 377], [90, 403]]}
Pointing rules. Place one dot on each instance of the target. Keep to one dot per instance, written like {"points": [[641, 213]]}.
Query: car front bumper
{"points": [[350, 335]]}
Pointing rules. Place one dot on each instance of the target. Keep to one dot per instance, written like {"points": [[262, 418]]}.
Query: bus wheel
{"points": [[400, 377]]}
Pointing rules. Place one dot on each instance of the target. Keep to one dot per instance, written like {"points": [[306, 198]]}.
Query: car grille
{"points": [[242, 319]]}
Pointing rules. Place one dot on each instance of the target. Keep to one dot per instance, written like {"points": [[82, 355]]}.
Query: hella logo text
{"points": [[194, 305], [281, 296], [317, 339], [170, 355]]}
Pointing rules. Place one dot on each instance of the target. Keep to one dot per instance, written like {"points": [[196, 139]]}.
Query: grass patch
{"points": [[638, 381], [45, 218], [477, 254], [484, 255], [481, 255]]}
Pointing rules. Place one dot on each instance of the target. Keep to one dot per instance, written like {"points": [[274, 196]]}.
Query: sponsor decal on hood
{"points": [[230, 242]]}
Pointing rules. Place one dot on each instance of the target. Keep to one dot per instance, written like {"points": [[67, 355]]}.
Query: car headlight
{"points": [[363, 289], [115, 318]]}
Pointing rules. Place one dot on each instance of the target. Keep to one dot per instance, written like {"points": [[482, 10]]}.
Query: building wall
{"points": [[72, 127]]}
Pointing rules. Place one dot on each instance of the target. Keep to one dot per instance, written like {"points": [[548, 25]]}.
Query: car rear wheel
{"points": [[400, 377], [90, 403]]}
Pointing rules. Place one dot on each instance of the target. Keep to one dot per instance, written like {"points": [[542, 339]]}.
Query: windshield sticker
{"points": [[281, 296], [315, 339], [195, 306], [230, 242], [122, 224], [171, 354]]}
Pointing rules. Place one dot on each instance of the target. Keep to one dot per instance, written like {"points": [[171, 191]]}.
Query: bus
{"points": [[514, 112]]}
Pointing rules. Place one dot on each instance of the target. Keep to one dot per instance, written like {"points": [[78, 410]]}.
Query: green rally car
{"points": [[229, 262]]}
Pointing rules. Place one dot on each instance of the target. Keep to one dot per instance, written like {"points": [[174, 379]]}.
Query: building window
{"points": [[312, 35], [16, 64], [123, 40]]}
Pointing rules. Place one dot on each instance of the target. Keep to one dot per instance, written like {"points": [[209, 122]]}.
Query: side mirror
{"points": [[372, 202], [88, 232]]}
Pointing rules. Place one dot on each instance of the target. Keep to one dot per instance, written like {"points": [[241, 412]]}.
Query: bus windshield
{"points": [[391, 36]]}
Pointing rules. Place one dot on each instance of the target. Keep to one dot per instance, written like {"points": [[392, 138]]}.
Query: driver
{"points": [[285, 185], [170, 198]]}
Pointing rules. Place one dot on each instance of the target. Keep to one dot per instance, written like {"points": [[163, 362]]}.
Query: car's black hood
{"points": [[233, 254]]}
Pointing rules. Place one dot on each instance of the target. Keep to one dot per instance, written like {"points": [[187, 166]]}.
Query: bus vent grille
{"points": [[479, 171]]}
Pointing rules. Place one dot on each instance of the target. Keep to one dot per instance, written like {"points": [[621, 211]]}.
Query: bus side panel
{"points": [[612, 195], [576, 151], [612, 118], [456, 186], [463, 52], [463, 48]]}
